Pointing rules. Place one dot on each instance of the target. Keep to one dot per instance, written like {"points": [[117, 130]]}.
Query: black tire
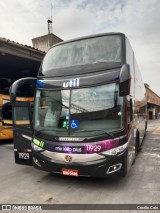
{"points": [[136, 152], [138, 148], [146, 125], [145, 129], [124, 169]]}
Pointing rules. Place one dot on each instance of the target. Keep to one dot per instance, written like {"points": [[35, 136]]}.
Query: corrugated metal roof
{"points": [[22, 45]]}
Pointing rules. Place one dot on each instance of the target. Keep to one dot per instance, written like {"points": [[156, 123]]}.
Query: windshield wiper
{"points": [[89, 130], [44, 131]]}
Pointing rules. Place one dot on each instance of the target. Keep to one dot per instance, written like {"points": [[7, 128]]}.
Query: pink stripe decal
{"points": [[86, 148]]}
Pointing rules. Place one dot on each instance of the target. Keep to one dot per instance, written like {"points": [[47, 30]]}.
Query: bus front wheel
{"points": [[138, 149]]}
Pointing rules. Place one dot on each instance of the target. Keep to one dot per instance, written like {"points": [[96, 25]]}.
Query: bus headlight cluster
{"points": [[37, 148], [116, 151]]}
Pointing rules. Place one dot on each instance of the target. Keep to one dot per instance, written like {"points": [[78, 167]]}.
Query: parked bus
{"points": [[89, 110], [24, 94]]}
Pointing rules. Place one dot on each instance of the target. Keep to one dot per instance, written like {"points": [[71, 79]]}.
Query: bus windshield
{"points": [[83, 111], [81, 52]]}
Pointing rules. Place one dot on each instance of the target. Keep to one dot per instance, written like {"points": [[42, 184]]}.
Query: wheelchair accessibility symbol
{"points": [[74, 124]]}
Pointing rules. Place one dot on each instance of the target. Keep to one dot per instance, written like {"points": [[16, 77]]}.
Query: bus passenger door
{"points": [[22, 132]]}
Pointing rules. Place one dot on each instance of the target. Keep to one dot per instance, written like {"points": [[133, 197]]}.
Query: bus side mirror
{"points": [[124, 80], [17, 84]]}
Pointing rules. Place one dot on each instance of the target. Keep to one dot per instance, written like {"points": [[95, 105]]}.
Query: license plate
{"points": [[70, 172]]}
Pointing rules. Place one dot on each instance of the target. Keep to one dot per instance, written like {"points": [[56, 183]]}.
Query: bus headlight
{"points": [[37, 148], [116, 151]]}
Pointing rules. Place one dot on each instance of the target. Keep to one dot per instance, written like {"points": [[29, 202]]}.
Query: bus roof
{"points": [[89, 36]]}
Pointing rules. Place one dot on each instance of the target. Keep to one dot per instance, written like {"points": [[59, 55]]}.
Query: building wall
{"points": [[43, 43], [152, 97], [153, 104]]}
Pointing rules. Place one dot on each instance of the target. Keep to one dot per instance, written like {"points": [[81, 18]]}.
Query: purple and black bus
{"points": [[89, 111]]}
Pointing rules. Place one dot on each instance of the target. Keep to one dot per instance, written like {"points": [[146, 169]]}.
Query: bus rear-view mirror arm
{"points": [[14, 87], [124, 80]]}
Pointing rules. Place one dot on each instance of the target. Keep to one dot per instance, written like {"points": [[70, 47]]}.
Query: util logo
{"points": [[71, 83]]}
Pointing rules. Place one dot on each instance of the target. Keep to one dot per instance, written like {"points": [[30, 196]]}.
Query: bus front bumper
{"points": [[100, 166]]}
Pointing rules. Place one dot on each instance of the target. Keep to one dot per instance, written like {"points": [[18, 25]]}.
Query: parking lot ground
{"points": [[25, 185]]}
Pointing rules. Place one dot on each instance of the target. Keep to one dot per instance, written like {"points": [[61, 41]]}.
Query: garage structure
{"points": [[17, 60]]}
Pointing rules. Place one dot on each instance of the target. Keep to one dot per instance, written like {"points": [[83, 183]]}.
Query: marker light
{"points": [[39, 84], [36, 162], [36, 148], [114, 168]]}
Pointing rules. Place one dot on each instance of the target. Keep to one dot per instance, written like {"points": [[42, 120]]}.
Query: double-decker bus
{"points": [[25, 93], [89, 109]]}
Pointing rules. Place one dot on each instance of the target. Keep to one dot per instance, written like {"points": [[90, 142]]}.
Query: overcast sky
{"points": [[21, 21]]}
